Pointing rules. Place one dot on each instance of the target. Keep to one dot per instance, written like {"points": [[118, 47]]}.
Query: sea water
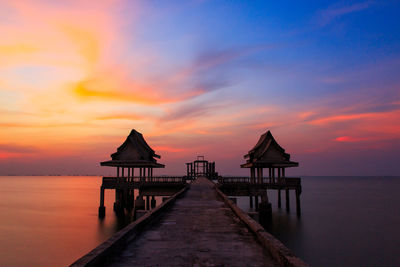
{"points": [[345, 221]]}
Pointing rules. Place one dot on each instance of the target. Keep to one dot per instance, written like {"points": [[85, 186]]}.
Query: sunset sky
{"points": [[200, 78]]}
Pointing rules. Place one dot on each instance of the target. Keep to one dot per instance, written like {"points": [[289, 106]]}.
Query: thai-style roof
{"points": [[134, 152], [268, 153]]}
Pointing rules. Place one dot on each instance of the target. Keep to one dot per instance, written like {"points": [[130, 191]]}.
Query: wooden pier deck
{"points": [[200, 229]]}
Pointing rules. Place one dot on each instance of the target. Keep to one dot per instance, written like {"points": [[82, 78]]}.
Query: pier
{"points": [[197, 227], [197, 223]]}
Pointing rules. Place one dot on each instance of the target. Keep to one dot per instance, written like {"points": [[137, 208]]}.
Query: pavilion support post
{"points": [[279, 174], [131, 174], [153, 202], [123, 172], [187, 170], [117, 171], [269, 175], [283, 173], [273, 175], [102, 209], [279, 198], [287, 200], [261, 175], [257, 175], [147, 202], [252, 175], [298, 208], [251, 201], [148, 174], [256, 202]]}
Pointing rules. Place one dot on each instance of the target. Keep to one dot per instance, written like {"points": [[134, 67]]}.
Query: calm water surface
{"points": [[51, 221], [346, 221]]}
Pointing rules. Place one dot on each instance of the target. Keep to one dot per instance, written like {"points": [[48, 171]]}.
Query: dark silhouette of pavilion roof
{"points": [[268, 153], [134, 152]]}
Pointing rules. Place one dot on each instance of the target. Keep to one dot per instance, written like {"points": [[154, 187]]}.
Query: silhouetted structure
{"points": [[201, 167], [267, 153], [134, 156]]}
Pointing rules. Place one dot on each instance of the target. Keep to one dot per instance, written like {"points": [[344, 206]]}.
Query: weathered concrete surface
{"points": [[199, 230], [279, 252]]}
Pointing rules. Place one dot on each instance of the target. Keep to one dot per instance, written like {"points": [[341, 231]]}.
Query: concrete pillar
{"points": [[139, 203], [298, 208], [264, 210], [287, 200], [102, 209], [153, 202]]}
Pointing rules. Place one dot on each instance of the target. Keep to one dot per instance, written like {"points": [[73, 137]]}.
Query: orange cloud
{"points": [[142, 94], [346, 117], [351, 139], [122, 117], [17, 49]]}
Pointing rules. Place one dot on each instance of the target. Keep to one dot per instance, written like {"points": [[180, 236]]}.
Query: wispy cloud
{"points": [[13, 148], [326, 16]]}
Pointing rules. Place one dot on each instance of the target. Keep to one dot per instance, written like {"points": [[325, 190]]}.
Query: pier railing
{"points": [[109, 181], [286, 181]]}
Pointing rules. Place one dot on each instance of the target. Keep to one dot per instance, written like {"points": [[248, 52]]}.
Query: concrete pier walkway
{"points": [[199, 230]]}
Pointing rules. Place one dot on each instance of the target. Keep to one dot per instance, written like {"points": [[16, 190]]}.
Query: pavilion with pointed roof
{"points": [[267, 153], [134, 153]]}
